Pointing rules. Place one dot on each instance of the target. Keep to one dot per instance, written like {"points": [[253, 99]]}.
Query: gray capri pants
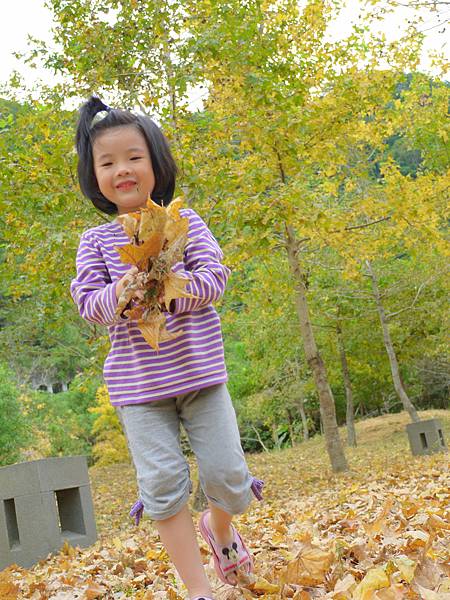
{"points": [[153, 434]]}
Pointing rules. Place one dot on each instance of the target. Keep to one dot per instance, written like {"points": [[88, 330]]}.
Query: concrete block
{"points": [[426, 437], [27, 532], [52, 503], [19, 480], [62, 473]]}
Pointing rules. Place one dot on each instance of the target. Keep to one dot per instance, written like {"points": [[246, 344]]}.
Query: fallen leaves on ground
{"points": [[378, 532]]}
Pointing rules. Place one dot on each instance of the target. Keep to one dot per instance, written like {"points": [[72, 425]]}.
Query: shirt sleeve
{"points": [[202, 265], [92, 289]]}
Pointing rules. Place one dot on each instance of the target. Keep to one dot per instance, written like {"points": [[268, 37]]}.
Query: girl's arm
{"points": [[92, 289], [203, 266]]}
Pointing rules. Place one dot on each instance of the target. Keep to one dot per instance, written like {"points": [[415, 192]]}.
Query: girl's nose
{"points": [[123, 169]]}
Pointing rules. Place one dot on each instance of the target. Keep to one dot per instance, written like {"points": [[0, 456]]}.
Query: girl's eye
{"points": [[136, 157], [108, 164]]}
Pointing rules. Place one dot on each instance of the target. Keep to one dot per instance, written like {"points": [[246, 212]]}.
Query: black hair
{"points": [[163, 163]]}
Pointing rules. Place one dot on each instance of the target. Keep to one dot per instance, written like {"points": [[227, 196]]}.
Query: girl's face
{"points": [[123, 167]]}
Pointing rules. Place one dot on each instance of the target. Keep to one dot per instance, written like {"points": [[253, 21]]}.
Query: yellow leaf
{"points": [[375, 579], [262, 585], [406, 567], [68, 550], [173, 210]]}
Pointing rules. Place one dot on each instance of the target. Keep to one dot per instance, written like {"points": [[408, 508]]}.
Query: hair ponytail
{"points": [[89, 127], [87, 113]]}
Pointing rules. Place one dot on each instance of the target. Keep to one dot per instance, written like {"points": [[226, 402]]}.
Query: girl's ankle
{"points": [[222, 538]]}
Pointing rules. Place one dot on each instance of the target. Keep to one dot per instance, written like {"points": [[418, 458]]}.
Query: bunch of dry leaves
{"points": [[157, 237], [378, 532]]}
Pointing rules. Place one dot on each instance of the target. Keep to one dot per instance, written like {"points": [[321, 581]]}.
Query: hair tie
{"points": [[100, 115]]}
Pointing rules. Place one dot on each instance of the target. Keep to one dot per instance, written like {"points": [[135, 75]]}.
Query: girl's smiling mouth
{"points": [[126, 185]]}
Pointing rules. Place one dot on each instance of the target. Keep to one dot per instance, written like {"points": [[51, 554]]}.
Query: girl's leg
{"points": [[209, 419], [210, 422], [219, 523], [179, 538], [152, 431]]}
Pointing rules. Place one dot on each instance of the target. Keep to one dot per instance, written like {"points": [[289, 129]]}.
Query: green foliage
{"points": [[13, 426], [60, 423], [294, 131]]}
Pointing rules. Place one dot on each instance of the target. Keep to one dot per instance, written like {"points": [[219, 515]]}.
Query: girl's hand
{"points": [[125, 280]]}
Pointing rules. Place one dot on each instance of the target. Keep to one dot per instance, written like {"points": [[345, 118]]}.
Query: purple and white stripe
{"points": [[133, 371]]}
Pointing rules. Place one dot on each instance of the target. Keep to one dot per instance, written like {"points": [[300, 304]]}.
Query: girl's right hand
{"points": [[125, 280]]}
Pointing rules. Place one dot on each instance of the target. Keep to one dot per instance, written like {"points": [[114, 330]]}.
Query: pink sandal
{"points": [[227, 559]]}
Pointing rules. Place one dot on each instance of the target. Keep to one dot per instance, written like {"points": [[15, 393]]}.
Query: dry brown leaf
{"points": [[172, 595], [426, 594], [436, 522], [154, 330], [376, 525], [173, 210], [176, 229], [9, 590], [158, 237], [94, 591], [175, 287], [309, 567], [406, 567], [139, 255], [302, 595], [153, 219], [130, 224]]}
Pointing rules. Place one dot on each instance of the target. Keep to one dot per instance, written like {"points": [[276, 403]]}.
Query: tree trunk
{"points": [[327, 408], [350, 415], [301, 410], [290, 421], [398, 385]]}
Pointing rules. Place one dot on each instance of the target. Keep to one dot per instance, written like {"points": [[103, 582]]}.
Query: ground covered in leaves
{"points": [[380, 531]]}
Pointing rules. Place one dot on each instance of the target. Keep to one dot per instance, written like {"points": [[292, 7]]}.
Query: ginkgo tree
{"points": [[300, 120], [281, 155]]}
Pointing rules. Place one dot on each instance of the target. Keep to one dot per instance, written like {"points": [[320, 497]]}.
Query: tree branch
{"points": [[361, 226]]}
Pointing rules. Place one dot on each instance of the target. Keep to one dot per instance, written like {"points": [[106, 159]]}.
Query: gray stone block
{"points": [[61, 473], [27, 531], [51, 503], [19, 480], [426, 437]]}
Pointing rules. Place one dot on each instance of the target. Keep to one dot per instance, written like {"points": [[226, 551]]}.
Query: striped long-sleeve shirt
{"points": [[135, 373]]}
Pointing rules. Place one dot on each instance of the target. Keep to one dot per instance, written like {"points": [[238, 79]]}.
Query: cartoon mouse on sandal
{"points": [[228, 558]]}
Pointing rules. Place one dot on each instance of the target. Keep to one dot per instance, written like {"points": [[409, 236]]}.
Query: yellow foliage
{"points": [[110, 446]]}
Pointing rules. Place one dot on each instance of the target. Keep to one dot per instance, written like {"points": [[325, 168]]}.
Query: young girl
{"points": [[123, 158]]}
